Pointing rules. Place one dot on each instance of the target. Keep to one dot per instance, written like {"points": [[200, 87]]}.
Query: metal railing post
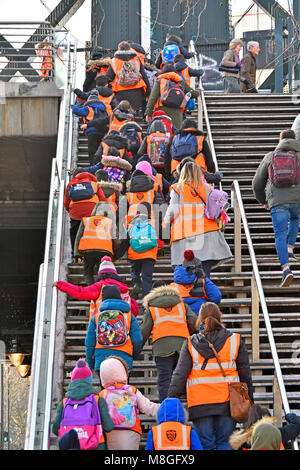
{"points": [[255, 320], [277, 401], [237, 236]]}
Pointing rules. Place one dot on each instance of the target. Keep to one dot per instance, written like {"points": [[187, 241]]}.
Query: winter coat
{"points": [[100, 114], [77, 390], [93, 291], [181, 276], [180, 66], [296, 127], [176, 41], [114, 140], [231, 59], [135, 96], [241, 439], [211, 168], [173, 411], [102, 90], [93, 68], [82, 209], [164, 296], [166, 184], [174, 113], [248, 70], [95, 356], [265, 192], [185, 364]]}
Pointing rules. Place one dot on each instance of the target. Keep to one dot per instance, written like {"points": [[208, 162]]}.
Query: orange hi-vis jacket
{"points": [[115, 124], [163, 81], [137, 427], [96, 234], [116, 65], [134, 199], [206, 385], [94, 198], [186, 75], [191, 220], [169, 321], [105, 148], [106, 100], [128, 346], [90, 116], [171, 435], [158, 182], [140, 55], [200, 157], [112, 202], [184, 289]]}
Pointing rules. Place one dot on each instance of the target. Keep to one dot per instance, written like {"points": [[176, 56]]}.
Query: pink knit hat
{"points": [[107, 266], [81, 371], [113, 371], [146, 168]]}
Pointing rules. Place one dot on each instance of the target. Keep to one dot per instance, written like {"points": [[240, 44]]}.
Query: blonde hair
{"points": [[191, 173]]}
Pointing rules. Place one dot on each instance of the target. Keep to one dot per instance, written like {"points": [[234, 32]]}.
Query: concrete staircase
{"points": [[244, 129]]}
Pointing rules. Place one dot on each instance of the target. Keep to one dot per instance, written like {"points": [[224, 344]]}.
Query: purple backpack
{"points": [[284, 170], [216, 203], [83, 416]]}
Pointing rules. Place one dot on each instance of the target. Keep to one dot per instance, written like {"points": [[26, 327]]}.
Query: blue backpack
{"points": [[169, 52], [184, 146], [142, 235]]}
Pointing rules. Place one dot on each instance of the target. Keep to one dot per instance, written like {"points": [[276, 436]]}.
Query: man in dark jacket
{"points": [[284, 204], [249, 67]]}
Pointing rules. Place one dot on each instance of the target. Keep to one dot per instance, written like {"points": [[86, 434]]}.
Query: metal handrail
{"points": [[238, 199], [40, 396]]}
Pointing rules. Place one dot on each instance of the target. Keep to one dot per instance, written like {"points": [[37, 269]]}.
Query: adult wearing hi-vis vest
{"points": [[199, 373], [190, 228], [113, 331], [170, 322], [160, 86], [131, 84]]}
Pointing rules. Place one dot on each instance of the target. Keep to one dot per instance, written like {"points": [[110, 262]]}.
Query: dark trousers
{"points": [[207, 267], [94, 141], [91, 263], [165, 366], [142, 271], [74, 226]]}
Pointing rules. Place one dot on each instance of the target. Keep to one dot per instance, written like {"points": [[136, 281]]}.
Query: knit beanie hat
{"points": [[190, 259], [81, 371], [111, 292], [93, 97], [113, 370], [107, 266], [146, 168]]}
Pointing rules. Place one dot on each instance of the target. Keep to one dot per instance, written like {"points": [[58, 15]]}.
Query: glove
{"points": [[292, 418]]}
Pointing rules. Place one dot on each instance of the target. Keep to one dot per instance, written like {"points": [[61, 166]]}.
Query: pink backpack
{"points": [[284, 170], [122, 405]]}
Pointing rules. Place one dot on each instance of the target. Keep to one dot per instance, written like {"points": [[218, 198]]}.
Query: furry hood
{"points": [[125, 55], [240, 437], [115, 140], [116, 162], [161, 291], [104, 62], [122, 115], [107, 186]]}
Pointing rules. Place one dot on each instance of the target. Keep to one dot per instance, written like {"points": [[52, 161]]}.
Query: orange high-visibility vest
{"points": [[137, 427], [152, 254], [169, 321], [163, 81], [94, 198], [106, 100], [171, 435], [105, 152], [191, 220], [184, 289], [96, 234], [128, 346], [200, 157], [140, 55], [158, 183], [186, 75], [134, 199], [112, 202], [116, 65], [90, 116], [208, 385], [115, 124]]}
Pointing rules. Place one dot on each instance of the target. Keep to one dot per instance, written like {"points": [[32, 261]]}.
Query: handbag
{"points": [[239, 400]]}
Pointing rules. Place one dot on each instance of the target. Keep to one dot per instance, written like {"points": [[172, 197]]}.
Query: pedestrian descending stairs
{"points": [[244, 129]]}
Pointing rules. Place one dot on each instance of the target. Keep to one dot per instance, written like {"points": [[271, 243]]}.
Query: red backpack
{"points": [[284, 169]]}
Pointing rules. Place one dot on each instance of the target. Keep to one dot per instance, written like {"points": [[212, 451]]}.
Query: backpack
{"points": [[129, 75], [83, 416], [158, 144], [151, 77], [122, 406], [173, 96], [216, 203], [169, 52], [142, 235], [80, 190], [184, 146], [111, 329], [284, 170], [115, 175], [132, 137], [191, 102]]}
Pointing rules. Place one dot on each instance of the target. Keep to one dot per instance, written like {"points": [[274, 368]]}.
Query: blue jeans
{"points": [[214, 431], [285, 220]]}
